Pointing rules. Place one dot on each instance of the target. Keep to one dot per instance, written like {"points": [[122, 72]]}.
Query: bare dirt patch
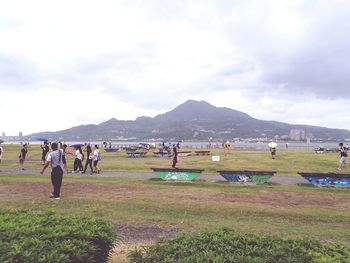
{"points": [[280, 199], [287, 199]]}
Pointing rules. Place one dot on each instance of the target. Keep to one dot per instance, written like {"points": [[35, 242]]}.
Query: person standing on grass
{"points": [[78, 161], [45, 150], [175, 158], [342, 154], [1, 153], [97, 158], [89, 159], [273, 152], [55, 158], [22, 155]]}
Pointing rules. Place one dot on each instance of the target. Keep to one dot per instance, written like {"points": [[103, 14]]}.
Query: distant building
{"points": [[297, 135], [20, 136], [3, 135]]}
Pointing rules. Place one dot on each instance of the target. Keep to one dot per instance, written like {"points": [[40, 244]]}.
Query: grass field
{"points": [[286, 163], [144, 208], [321, 213]]}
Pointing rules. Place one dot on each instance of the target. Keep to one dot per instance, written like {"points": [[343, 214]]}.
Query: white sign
{"points": [[215, 158]]}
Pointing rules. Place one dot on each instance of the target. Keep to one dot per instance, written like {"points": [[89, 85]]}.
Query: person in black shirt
{"points": [[45, 149], [22, 155], [89, 158], [175, 156], [273, 152]]}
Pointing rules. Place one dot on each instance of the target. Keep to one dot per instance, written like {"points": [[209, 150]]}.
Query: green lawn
{"points": [[322, 213], [293, 210], [286, 163]]}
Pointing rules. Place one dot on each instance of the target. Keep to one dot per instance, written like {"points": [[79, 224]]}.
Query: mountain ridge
{"points": [[193, 120]]}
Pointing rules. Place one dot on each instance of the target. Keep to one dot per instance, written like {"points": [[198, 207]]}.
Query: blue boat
{"points": [[110, 150], [327, 179], [136, 154], [243, 176], [161, 154]]}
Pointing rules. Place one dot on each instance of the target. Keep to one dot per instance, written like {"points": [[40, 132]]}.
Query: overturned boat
{"points": [[177, 174], [327, 179], [243, 176]]}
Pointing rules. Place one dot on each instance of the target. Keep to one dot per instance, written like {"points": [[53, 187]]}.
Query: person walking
{"points": [[22, 156], [58, 166], [1, 153], [89, 159], [175, 158], [342, 154], [273, 152], [97, 158], [78, 161], [44, 151]]}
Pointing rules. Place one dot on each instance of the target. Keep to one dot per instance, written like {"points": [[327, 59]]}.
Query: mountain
{"points": [[194, 120]]}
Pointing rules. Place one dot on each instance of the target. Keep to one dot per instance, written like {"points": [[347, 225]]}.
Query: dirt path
{"points": [[285, 180]]}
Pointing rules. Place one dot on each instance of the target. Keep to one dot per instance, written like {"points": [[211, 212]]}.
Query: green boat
{"points": [[177, 174]]}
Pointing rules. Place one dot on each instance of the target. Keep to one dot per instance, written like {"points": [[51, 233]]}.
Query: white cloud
{"points": [[276, 60]]}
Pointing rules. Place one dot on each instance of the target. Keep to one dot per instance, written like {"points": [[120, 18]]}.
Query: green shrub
{"points": [[27, 237], [231, 246]]}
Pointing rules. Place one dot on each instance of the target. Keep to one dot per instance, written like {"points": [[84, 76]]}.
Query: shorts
{"points": [[21, 161], [95, 163], [342, 159]]}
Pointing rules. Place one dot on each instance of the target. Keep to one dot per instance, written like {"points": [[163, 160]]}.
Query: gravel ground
{"points": [[285, 180]]}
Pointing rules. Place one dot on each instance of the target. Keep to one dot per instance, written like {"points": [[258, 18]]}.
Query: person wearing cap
{"points": [[58, 165]]}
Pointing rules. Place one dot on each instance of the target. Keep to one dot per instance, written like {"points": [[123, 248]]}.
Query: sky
{"points": [[66, 63]]}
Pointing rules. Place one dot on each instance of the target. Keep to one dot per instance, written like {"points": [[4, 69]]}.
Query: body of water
{"points": [[302, 146]]}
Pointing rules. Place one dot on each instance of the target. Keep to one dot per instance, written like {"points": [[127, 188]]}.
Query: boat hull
{"points": [[327, 179], [136, 155], [177, 174], [247, 176], [112, 150]]}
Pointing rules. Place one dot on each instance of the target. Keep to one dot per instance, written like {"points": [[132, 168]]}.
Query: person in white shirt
{"points": [[58, 165], [97, 158], [78, 161]]}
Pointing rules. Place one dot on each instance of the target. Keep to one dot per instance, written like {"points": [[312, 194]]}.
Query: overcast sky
{"points": [[66, 63]]}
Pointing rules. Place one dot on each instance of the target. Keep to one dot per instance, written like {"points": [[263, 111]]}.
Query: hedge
{"points": [[28, 237], [231, 246]]}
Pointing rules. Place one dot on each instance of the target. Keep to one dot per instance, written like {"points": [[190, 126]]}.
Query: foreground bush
{"points": [[232, 246], [27, 237]]}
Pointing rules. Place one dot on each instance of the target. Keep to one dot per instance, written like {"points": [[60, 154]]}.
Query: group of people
{"points": [[21, 157], [57, 159], [92, 157]]}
